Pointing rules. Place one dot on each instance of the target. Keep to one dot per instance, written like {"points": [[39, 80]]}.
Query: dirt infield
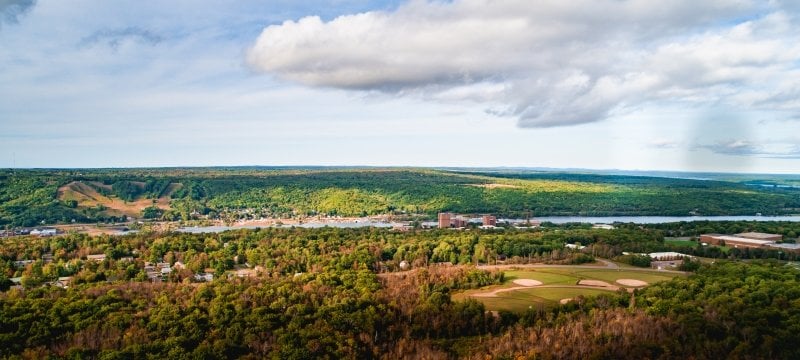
{"points": [[597, 283], [527, 282], [631, 282]]}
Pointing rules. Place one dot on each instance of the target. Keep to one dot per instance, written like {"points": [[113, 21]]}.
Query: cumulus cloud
{"points": [[550, 62], [11, 10]]}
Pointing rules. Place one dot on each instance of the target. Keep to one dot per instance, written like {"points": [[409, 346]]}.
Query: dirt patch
{"points": [[631, 282], [564, 301], [597, 283], [527, 282]]}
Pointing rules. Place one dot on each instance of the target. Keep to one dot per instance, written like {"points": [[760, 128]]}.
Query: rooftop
{"points": [[743, 240], [786, 246], [758, 235]]}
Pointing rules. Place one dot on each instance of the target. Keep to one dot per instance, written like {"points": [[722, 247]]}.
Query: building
{"points": [[63, 282], [459, 222], [445, 220], [489, 220], [204, 277], [666, 256], [97, 257], [734, 241], [603, 226], [44, 232], [760, 236], [22, 263], [793, 247]]}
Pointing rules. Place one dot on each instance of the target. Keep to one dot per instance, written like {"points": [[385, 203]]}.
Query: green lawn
{"points": [[612, 275], [680, 242], [546, 276], [519, 300]]}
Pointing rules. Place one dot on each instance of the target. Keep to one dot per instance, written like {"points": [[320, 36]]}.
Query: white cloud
{"points": [[550, 63], [776, 149]]}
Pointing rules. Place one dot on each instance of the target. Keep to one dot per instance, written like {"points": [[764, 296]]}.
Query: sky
{"points": [[681, 85]]}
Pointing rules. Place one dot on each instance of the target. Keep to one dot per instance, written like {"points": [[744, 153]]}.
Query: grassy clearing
{"points": [[521, 299], [680, 242], [612, 275], [545, 276], [556, 294]]}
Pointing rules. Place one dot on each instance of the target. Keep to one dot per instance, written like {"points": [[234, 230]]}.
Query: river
{"points": [[552, 219]]}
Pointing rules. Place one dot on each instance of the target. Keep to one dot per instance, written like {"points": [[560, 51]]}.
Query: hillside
{"points": [[29, 197], [87, 196]]}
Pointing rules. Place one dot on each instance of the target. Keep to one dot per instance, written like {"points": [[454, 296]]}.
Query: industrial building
{"points": [[450, 220], [444, 220], [743, 240]]}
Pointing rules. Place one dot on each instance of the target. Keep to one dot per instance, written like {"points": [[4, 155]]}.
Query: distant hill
{"points": [[28, 197]]}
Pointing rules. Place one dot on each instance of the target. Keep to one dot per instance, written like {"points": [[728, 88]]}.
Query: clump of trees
{"points": [[256, 192], [332, 293]]}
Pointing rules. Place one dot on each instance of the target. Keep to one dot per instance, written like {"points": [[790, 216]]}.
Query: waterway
{"points": [[552, 219]]}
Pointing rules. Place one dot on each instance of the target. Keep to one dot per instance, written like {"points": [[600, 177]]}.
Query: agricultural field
{"points": [[549, 286]]}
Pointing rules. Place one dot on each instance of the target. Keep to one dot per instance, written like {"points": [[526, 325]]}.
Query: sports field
{"points": [[558, 284]]}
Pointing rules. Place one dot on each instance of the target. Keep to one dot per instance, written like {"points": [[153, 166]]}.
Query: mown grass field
{"points": [[557, 283], [680, 242], [519, 300]]}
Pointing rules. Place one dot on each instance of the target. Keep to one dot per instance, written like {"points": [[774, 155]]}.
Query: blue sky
{"points": [[607, 84]]}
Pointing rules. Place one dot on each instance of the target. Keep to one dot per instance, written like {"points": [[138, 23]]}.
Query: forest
{"points": [[35, 197], [342, 293]]}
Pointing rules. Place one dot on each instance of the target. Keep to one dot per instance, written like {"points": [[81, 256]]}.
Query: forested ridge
{"points": [[338, 293], [33, 197]]}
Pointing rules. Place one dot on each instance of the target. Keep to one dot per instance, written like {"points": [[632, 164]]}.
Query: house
{"points": [[603, 226], [574, 246], [204, 277], [96, 257], [44, 232], [16, 283], [63, 282], [22, 263], [245, 273]]}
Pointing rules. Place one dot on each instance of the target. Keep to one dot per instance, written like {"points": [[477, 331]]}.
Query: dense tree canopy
{"points": [[28, 197]]}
